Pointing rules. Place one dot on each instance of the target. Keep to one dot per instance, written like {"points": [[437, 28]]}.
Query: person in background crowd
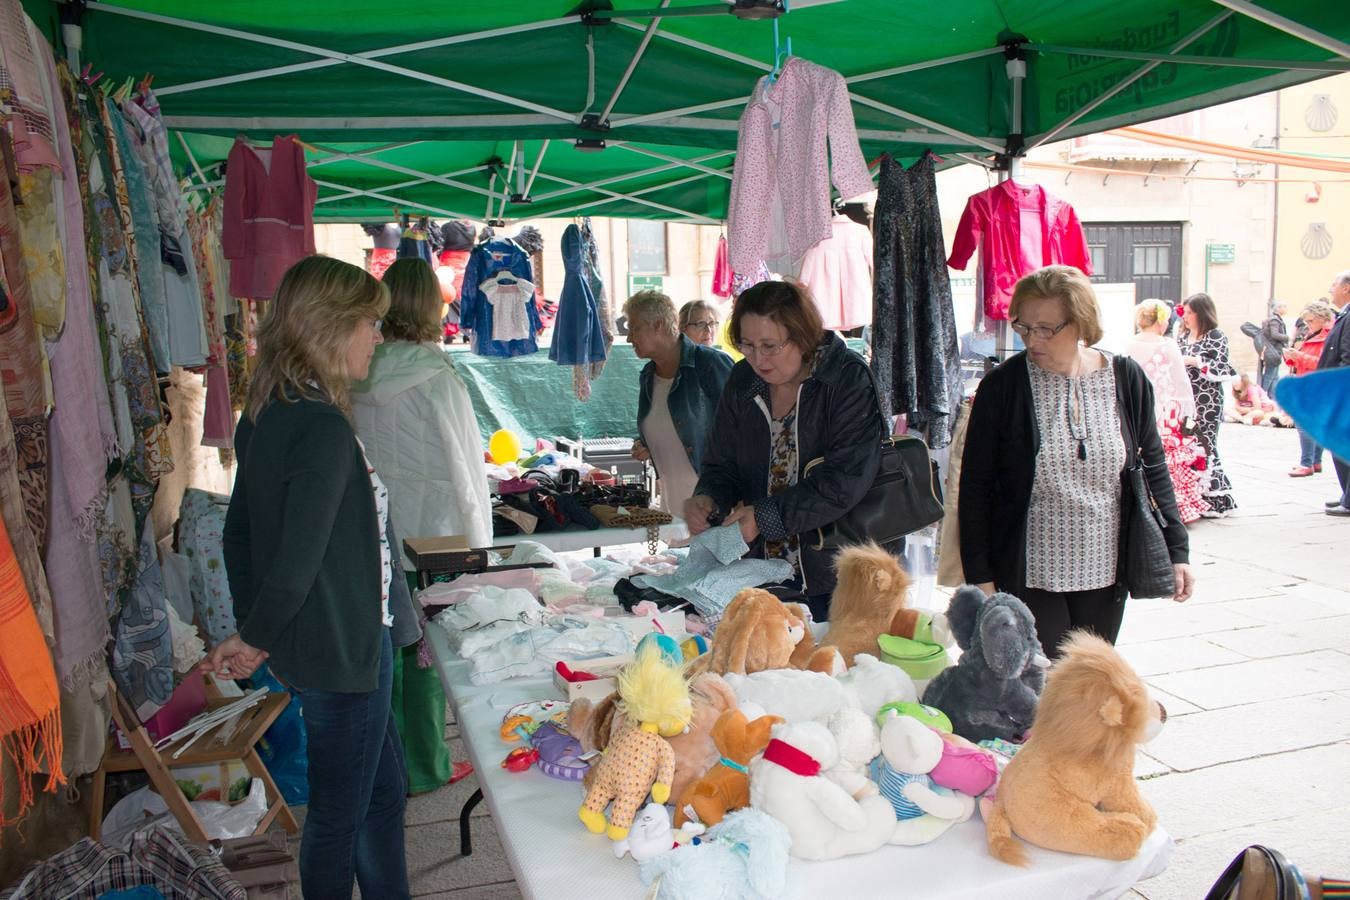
{"points": [[798, 395], [1041, 476], [416, 422], [1251, 404], [1335, 354], [309, 552], [678, 391], [699, 321], [1173, 403], [1204, 350], [1277, 340], [1302, 358]]}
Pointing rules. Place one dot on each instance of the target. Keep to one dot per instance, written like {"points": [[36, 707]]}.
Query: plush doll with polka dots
{"points": [[639, 760]]}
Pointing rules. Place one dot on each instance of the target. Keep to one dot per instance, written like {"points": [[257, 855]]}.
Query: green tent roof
{"points": [[419, 106]]}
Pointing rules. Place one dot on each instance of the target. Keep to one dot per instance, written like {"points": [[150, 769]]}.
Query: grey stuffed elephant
{"points": [[992, 691]]}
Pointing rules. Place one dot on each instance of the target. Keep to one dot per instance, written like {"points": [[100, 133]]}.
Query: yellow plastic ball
{"points": [[503, 447]]}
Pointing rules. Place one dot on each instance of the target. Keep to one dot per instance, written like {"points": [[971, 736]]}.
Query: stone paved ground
{"points": [[1255, 673]]}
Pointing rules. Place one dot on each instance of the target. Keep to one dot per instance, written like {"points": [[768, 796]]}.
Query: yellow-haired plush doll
{"points": [[639, 760]]}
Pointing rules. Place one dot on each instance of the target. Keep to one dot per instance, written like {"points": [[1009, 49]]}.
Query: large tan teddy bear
{"points": [[1071, 787]]}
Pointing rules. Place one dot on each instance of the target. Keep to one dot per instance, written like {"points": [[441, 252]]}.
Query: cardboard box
{"points": [[446, 555], [607, 667]]}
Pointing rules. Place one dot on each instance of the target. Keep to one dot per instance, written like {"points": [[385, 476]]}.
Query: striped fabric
{"points": [[892, 783]]}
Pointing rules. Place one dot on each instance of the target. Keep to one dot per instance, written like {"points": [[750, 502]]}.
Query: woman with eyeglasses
{"points": [[311, 560], [1041, 509], [1204, 350], [416, 422], [799, 394], [678, 391], [699, 321]]}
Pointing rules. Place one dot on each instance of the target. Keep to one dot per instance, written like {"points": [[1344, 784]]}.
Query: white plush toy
{"points": [[802, 696], [876, 683], [855, 735], [788, 783], [651, 834], [910, 750]]}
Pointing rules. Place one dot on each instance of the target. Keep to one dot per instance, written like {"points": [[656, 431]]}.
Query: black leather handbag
{"points": [[1148, 564], [905, 496]]}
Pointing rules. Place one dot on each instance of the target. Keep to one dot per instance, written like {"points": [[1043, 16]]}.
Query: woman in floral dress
{"points": [[1174, 405], [1204, 350]]}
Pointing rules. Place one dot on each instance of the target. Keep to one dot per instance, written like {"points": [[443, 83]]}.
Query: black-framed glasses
{"points": [[1044, 332], [706, 325]]}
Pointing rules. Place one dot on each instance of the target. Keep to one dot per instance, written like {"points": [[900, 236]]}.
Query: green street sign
{"points": [[1221, 254], [645, 283]]}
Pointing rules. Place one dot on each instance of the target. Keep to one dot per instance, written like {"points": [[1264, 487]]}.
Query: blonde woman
{"points": [[416, 421], [310, 558], [1045, 451], [1160, 358]]}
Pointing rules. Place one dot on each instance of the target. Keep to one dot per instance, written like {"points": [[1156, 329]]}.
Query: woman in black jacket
{"points": [[799, 395], [1049, 438], [315, 573]]}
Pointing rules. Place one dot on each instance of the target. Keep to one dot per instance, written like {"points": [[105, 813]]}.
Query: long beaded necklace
{"points": [[1077, 407]]}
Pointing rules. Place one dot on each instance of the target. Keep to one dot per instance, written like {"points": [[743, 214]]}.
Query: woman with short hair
{"points": [[309, 552], [678, 391], [1204, 350], [699, 321], [798, 395], [1041, 508], [1317, 319], [414, 417]]}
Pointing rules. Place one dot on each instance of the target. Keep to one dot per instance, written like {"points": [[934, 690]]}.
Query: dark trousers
{"points": [[1059, 613], [358, 788], [1343, 474]]}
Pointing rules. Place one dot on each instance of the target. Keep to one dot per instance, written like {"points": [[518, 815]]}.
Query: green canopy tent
{"points": [[485, 109]]}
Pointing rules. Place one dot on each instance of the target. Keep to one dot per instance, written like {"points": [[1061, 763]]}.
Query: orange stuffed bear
{"points": [[758, 632], [726, 786], [869, 600]]}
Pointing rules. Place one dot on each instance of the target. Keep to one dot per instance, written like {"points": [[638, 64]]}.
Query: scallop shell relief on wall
{"points": [[1321, 113], [1316, 242]]}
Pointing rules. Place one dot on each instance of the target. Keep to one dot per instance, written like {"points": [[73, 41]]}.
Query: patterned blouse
{"points": [[1073, 524], [386, 554], [782, 475]]}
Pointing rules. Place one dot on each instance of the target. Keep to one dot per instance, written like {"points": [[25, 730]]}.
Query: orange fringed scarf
{"points": [[30, 714]]}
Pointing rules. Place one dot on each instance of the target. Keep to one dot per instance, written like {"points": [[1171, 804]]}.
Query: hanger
{"points": [[782, 50]]}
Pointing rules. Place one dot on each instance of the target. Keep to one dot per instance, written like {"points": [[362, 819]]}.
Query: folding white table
{"points": [[554, 856]]}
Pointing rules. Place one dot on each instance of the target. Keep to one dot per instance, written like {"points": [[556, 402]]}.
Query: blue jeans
{"points": [[1269, 376], [358, 787], [1308, 451]]}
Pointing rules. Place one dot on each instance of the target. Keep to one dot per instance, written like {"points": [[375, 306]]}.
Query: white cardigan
{"points": [[415, 419]]}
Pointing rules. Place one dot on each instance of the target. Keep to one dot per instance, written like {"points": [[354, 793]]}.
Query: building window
{"points": [[646, 247], [1098, 253], [1151, 259]]}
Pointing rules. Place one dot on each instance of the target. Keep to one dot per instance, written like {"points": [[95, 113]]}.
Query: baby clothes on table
{"points": [[714, 572]]}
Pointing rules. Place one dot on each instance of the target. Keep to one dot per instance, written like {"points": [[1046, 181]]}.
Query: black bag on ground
{"points": [[905, 496]]}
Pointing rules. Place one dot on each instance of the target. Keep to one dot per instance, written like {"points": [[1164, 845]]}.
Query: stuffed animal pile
{"points": [[774, 743]]}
